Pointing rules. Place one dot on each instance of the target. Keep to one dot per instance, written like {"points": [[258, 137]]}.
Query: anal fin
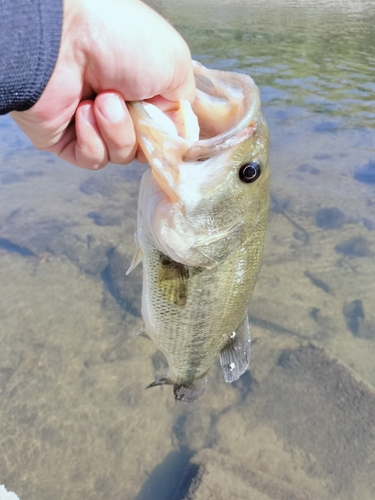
{"points": [[142, 333], [235, 356]]}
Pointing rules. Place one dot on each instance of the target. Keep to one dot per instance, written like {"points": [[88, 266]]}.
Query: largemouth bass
{"points": [[202, 215]]}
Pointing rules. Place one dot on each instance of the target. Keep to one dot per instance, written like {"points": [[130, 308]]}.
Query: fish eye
{"points": [[249, 172]]}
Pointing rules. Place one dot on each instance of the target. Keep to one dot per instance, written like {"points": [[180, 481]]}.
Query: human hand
{"points": [[111, 51]]}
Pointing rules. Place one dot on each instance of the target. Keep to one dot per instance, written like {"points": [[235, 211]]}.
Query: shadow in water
{"points": [[171, 479], [8, 246], [126, 289], [366, 174]]}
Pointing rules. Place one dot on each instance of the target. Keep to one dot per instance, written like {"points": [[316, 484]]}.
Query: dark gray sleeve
{"points": [[30, 32]]}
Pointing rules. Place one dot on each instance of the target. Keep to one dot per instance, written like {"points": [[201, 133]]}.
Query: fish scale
{"points": [[193, 335]]}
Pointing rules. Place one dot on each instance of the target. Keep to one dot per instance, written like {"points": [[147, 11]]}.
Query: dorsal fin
{"points": [[163, 380], [187, 393]]}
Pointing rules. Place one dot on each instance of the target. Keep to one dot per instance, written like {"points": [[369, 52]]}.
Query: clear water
{"points": [[75, 420]]}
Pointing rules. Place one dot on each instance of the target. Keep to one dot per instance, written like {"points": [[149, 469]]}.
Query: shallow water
{"points": [[75, 421]]}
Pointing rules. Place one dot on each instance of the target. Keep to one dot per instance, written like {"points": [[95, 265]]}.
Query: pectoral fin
{"points": [[137, 256], [187, 393], [173, 280], [235, 356]]}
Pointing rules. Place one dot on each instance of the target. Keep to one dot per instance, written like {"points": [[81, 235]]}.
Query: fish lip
{"points": [[206, 148]]}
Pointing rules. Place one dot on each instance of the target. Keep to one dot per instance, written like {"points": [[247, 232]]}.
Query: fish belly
{"points": [[191, 312]]}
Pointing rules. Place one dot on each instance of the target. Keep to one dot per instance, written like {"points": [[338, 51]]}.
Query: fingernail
{"points": [[113, 109], [88, 114]]}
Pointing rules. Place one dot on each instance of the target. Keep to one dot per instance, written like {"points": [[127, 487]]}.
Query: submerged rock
{"points": [[220, 477], [304, 431]]}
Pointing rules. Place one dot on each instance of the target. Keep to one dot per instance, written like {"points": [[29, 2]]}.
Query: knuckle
{"points": [[93, 159], [122, 156]]}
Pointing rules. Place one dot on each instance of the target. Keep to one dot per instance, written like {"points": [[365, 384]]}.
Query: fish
{"points": [[202, 216]]}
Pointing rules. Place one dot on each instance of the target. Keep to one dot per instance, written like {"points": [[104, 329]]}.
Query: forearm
{"points": [[30, 32]]}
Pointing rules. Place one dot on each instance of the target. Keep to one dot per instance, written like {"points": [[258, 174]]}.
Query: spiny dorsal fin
{"points": [[187, 393]]}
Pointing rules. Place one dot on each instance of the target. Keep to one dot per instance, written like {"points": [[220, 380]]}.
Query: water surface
{"points": [[75, 421]]}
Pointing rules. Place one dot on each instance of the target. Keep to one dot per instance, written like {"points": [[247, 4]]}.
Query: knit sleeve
{"points": [[30, 32]]}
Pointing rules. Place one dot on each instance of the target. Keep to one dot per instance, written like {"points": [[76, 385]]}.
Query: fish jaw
{"points": [[161, 143], [162, 220]]}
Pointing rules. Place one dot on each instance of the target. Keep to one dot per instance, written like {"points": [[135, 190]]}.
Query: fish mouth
{"points": [[234, 98], [226, 106], [206, 148]]}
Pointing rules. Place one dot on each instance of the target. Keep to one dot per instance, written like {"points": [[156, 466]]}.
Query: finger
{"points": [[116, 127], [82, 143], [182, 84]]}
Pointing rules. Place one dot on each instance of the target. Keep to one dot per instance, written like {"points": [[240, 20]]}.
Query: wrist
{"points": [[74, 38]]}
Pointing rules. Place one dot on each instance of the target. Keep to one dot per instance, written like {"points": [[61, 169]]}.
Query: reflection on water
{"points": [[75, 421]]}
